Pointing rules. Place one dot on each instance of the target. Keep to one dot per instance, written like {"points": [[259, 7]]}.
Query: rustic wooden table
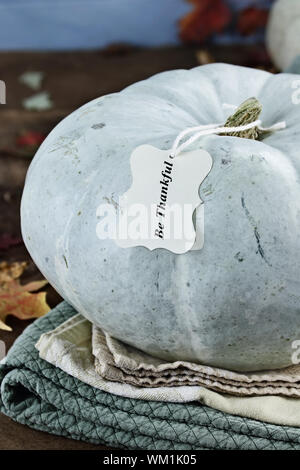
{"points": [[72, 79]]}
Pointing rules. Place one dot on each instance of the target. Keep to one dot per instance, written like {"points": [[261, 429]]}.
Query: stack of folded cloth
{"points": [[67, 377]]}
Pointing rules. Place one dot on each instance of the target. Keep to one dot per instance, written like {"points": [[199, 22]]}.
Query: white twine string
{"points": [[229, 106], [209, 129]]}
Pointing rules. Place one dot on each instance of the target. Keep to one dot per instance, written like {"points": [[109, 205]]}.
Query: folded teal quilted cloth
{"points": [[35, 393]]}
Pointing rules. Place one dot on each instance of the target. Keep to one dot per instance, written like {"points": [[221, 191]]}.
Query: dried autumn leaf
{"points": [[27, 144], [4, 327], [30, 139], [208, 17], [20, 300], [8, 272], [252, 19], [6, 241]]}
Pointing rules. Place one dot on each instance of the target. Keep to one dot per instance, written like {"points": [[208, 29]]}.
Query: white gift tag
{"points": [[157, 210]]}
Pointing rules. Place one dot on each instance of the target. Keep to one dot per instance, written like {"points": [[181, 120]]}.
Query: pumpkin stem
{"points": [[246, 113]]}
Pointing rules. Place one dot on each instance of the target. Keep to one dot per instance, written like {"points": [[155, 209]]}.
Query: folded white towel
{"points": [[85, 352]]}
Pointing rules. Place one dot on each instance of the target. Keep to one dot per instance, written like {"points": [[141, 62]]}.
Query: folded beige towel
{"points": [[69, 347], [118, 362]]}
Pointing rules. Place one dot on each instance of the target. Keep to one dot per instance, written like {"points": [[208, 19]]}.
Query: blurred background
{"points": [[78, 24], [56, 55]]}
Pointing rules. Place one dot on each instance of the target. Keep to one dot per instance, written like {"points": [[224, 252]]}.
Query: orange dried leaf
{"points": [[20, 300], [33, 286], [207, 17], [252, 19], [8, 272], [5, 327]]}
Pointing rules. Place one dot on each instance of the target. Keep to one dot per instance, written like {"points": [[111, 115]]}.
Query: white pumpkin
{"points": [[235, 303], [283, 33]]}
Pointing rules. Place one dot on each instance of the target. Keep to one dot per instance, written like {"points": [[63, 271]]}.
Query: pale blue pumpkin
{"points": [[235, 303]]}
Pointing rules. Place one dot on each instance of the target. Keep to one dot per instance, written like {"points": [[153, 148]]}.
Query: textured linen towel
{"points": [[117, 361], [38, 394], [69, 347]]}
